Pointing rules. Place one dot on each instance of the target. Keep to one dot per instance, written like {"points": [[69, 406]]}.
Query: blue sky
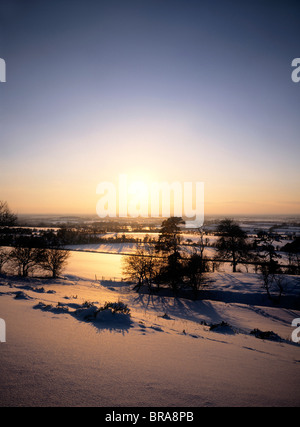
{"points": [[172, 90]]}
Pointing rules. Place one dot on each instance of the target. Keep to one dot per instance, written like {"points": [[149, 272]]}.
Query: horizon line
{"points": [[154, 218]]}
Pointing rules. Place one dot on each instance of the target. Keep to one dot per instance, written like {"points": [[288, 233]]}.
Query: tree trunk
{"points": [[234, 263]]}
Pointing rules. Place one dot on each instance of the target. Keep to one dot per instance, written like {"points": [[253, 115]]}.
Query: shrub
{"points": [[265, 335], [90, 312], [116, 307]]}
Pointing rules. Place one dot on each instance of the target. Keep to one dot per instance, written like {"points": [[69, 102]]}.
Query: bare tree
{"points": [[293, 263], [142, 267], [25, 258], [4, 257], [7, 218], [267, 278], [53, 260], [273, 282]]}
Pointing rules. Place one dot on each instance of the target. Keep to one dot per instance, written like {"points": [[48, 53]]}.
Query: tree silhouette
{"points": [[266, 251], [4, 257], [24, 255], [195, 268], [7, 218], [169, 243], [53, 260], [169, 237], [231, 244], [142, 267]]}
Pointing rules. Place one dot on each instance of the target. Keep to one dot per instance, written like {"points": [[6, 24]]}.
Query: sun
{"points": [[138, 198], [138, 177]]}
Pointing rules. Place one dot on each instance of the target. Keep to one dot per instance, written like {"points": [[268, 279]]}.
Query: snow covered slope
{"points": [[169, 352]]}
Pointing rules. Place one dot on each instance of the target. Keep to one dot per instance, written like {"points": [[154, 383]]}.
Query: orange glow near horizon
{"points": [[77, 198], [159, 91]]}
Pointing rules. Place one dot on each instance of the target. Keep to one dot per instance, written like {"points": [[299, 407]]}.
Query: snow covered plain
{"points": [[170, 351]]}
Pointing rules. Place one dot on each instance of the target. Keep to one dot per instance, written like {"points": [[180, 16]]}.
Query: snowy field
{"points": [[88, 257], [168, 352]]}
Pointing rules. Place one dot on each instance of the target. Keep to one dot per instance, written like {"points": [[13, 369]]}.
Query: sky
{"points": [[160, 90]]}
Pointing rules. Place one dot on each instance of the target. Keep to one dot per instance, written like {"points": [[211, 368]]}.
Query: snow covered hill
{"points": [[230, 348]]}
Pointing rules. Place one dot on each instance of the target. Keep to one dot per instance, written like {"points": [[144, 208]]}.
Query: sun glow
{"points": [[138, 199], [157, 199]]}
